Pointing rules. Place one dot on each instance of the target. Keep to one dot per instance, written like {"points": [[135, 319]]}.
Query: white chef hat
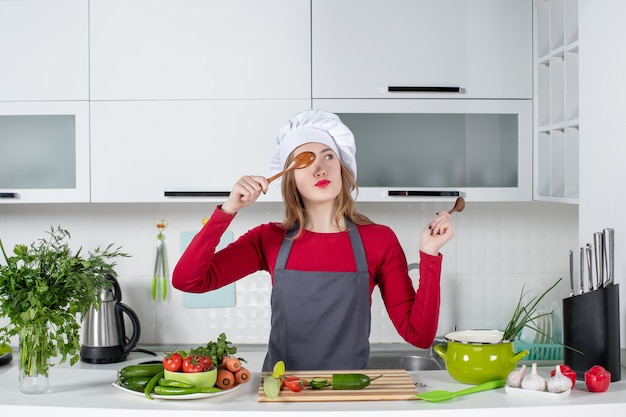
{"points": [[314, 126]]}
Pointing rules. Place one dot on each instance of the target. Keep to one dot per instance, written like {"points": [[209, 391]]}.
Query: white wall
{"points": [[498, 248], [602, 60]]}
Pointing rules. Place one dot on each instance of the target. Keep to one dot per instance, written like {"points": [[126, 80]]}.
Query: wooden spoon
{"points": [[302, 160], [459, 205]]}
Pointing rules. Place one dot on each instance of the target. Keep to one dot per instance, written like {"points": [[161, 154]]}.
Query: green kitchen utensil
{"points": [[442, 395], [160, 263]]}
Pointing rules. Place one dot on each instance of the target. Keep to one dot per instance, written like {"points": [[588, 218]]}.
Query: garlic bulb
{"points": [[514, 380], [559, 382], [534, 381]]}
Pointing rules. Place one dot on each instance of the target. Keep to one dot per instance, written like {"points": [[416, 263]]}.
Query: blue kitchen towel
{"points": [[223, 297]]}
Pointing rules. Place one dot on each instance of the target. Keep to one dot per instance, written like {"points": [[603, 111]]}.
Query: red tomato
{"points": [[293, 383], [568, 372], [285, 378], [173, 362], [597, 379], [205, 361], [191, 365]]}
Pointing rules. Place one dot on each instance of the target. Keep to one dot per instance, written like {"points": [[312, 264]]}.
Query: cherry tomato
{"points": [[205, 361], [173, 362], [284, 378], [191, 365], [568, 372], [597, 379], [293, 383]]}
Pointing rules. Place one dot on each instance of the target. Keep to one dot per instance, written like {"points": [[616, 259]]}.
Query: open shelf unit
{"points": [[556, 133]]}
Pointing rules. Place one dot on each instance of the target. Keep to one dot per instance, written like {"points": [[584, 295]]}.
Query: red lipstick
{"points": [[322, 183]]}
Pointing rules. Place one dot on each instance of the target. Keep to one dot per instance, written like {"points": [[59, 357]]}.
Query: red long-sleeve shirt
{"points": [[414, 314]]}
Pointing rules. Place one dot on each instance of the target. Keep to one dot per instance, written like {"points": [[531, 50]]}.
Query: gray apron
{"points": [[320, 320]]}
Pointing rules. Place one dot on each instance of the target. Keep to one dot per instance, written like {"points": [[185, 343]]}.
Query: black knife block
{"points": [[591, 325]]}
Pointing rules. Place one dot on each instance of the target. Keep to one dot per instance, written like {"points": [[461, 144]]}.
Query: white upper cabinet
{"points": [[409, 150], [423, 48], [200, 49], [44, 50], [44, 152], [182, 150]]}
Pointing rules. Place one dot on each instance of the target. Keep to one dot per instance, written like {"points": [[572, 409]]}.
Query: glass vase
{"points": [[33, 361]]}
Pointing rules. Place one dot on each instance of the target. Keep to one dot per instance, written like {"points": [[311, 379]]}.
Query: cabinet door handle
{"points": [[414, 193], [422, 89], [196, 193], [9, 195]]}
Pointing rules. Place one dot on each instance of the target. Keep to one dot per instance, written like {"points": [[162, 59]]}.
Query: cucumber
{"points": [[164, 390], [133, 371], [136, 383], [351, 381]]}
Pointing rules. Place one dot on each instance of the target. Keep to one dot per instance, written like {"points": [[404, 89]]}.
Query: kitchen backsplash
{"points": [[498, 249]]}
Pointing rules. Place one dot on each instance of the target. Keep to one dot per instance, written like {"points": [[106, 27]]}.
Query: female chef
{"points": [[324, 258]]}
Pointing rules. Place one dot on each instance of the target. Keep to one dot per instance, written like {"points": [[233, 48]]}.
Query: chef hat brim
{"points": [[314, 126]]}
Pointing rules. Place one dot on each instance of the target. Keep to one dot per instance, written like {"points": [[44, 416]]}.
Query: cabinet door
{"points": [[409, 150], [142, 149], [44, 152], [44, 50], [483, 47], [200, 49]]}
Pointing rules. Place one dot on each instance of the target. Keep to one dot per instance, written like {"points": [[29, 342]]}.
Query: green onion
{"points": [[525, 314]]}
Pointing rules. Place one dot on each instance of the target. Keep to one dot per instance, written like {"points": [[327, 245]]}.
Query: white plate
{"points": [[540, 395], [179, 397]]}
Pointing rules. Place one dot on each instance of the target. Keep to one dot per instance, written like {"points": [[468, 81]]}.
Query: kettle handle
{"points": [[132, 342], [117, 290]]}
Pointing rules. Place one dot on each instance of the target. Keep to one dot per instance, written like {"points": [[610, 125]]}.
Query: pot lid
{"points": [[479, 336]]}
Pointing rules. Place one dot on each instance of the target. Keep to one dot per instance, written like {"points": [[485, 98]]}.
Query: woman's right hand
{"points": [[244, 193]]}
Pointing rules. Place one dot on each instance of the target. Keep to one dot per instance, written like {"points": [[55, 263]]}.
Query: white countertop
{"points": [[86, 390]]}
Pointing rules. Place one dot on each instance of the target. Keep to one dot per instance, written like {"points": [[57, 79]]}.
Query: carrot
{"points": [[242, 375], [225, 379], [231, 363]]}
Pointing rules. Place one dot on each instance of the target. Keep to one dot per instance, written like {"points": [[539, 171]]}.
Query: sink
{"points": [[410, 362]]}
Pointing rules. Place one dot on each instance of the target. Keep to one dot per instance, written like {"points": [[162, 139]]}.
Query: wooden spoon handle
{"points": [[280, 174]]}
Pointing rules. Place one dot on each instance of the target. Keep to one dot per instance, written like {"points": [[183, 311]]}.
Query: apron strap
{"points": [[355, 239]]}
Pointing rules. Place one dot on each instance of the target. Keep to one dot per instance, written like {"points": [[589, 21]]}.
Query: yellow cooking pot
{"points": [[477, 356]]}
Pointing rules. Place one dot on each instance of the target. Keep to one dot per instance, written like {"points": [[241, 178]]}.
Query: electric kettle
{"points": [[104, 333]]}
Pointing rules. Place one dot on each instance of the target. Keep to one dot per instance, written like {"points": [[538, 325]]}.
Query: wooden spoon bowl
{"points": [[459, 205], [302, 160]]}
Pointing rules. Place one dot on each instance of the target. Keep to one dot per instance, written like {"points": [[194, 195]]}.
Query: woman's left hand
{"points": [[436, 234]]}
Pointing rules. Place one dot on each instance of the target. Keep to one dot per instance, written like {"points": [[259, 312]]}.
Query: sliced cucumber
{"points": [[318, 383]]}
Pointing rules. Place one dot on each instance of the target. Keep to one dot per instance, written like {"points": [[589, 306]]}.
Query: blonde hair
{"points": [[295, 213]]}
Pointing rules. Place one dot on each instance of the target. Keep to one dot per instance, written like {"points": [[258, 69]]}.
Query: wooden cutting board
{"points": [[395, 384]]}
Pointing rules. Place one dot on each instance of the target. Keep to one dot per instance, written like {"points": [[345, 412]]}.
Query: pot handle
{"points": [[441, 350], [518, 356], [134, 338]]}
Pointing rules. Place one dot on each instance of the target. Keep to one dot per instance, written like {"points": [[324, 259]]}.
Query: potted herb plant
{"points": [[45, 289]]}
